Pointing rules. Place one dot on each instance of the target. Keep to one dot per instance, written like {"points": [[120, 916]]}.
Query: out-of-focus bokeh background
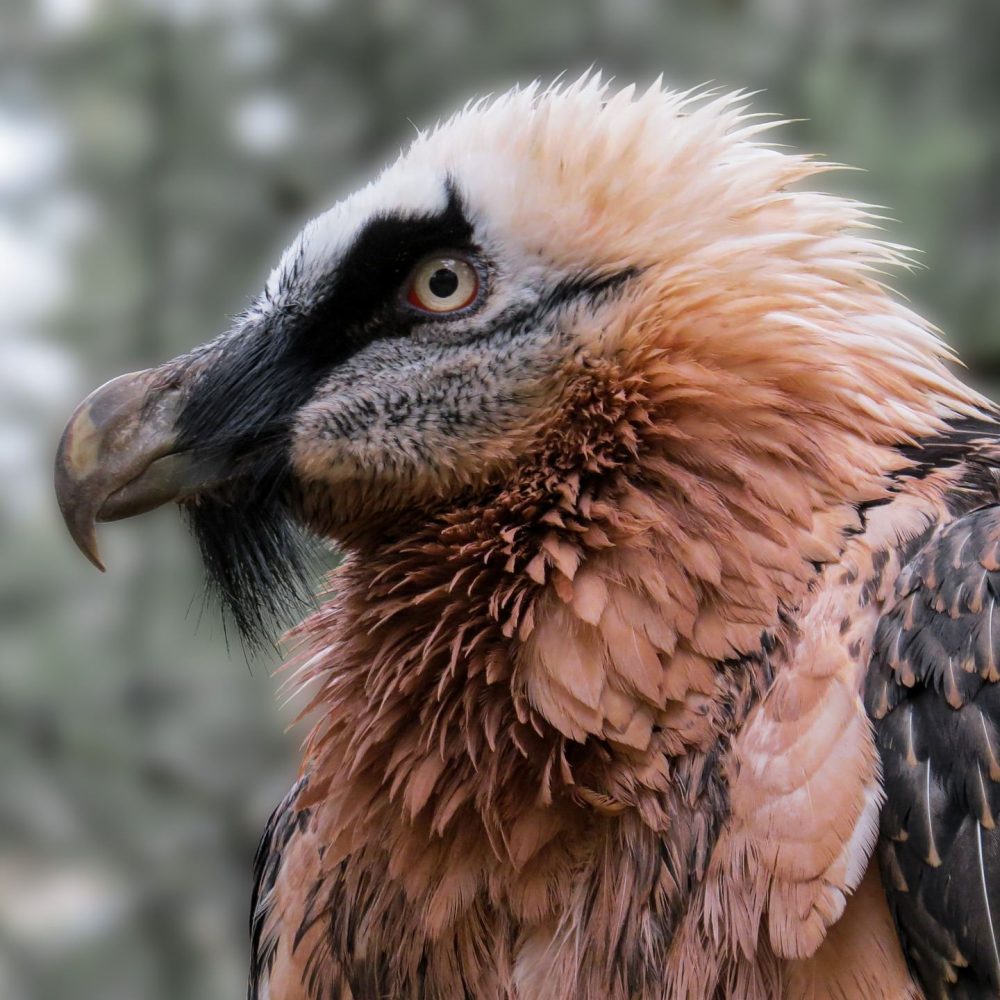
{"points": [[154, 157]]}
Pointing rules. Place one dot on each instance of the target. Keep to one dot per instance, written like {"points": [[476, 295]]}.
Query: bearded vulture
{"points": [[664, 658]]}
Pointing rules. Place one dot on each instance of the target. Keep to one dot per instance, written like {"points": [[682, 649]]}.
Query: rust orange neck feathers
{"points": [[561, 662], [528, 693], [487, 674]]}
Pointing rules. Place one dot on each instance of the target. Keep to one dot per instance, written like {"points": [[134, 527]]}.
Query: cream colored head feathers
{"points": [[729, 270]]}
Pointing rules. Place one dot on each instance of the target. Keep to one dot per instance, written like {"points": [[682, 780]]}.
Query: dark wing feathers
{"points": [[285, 821], [932, 692]]}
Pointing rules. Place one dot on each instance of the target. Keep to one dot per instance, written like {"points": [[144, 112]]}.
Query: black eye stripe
{"points": [[269, 369], [384, 253]]}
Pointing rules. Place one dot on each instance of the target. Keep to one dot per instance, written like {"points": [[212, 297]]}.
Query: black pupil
{"points": [[443, 283]]}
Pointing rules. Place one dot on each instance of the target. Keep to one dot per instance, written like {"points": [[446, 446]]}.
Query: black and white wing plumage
{"points": [[933, 692]]}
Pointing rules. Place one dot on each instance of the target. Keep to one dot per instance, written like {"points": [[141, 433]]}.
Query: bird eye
{"points": [[443, 284]]}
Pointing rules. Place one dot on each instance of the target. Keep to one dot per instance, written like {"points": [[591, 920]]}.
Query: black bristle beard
{"points": [[260, 564]]}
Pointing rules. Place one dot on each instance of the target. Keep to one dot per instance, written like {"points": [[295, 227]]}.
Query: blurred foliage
{"points": [[154, 157]]}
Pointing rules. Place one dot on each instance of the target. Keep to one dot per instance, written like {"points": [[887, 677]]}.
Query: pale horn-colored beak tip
{"points": [[82, 529], [78, 486]]}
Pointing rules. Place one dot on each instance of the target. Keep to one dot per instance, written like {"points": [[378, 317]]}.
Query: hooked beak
{"points": [[119, 457]]}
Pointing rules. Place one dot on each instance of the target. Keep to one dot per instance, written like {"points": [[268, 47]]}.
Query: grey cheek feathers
{"points": [[402, 403]]}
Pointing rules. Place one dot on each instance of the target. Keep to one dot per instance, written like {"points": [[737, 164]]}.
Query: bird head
{"points": [[416, 342]]}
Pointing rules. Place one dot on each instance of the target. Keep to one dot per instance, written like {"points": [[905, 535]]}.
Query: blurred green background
{"points": [[154, 158]]}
